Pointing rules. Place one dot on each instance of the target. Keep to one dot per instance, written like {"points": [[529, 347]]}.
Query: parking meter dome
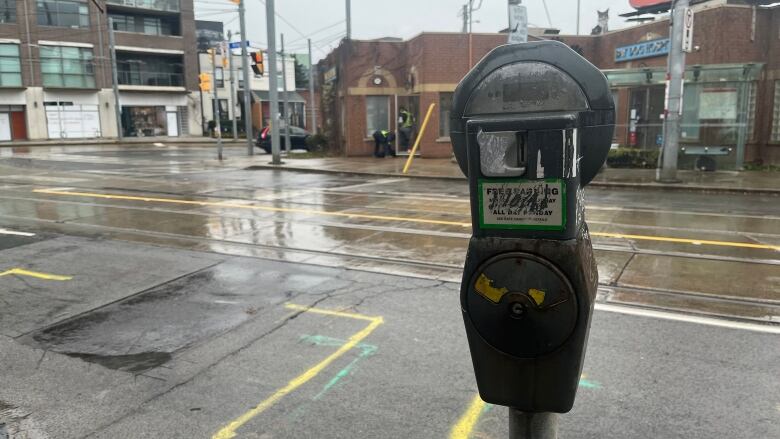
{"points": [[536, 80]]}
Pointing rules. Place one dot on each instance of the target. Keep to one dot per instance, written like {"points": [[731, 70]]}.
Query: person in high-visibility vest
{"points": [[382, 140], [406, 123]]}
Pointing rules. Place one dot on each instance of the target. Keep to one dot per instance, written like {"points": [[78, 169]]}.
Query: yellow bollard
{"points": [[419, 137]]}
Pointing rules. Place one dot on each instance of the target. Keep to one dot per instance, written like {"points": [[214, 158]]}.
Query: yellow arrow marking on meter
{"points": [[484, 286], [537, 295]]}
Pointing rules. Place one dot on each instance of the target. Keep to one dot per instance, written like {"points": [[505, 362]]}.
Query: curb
{"points": [[602, 184]]}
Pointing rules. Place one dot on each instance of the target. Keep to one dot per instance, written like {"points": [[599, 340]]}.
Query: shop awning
{"points": [[264, 96], [695, 72]]}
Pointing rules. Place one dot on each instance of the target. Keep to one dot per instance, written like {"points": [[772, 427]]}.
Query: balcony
{"points": [[150, 79], [155, 5]]}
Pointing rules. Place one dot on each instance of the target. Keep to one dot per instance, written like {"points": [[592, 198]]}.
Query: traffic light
{"points": [[257, 63], [205, 81]]}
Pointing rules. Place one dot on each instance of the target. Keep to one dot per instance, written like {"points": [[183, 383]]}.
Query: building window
{"points": [[67, 67], [64, 13], [145, 25], [224, 112], [10, 66], [776, 114], [150, 70], [7, 11], [445, 103], [157, 5], [219, 78], [377, 114]]}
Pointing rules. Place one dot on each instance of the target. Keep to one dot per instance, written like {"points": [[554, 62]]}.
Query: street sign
{"points": [[687, 40], [237, 44], [518, 22]]}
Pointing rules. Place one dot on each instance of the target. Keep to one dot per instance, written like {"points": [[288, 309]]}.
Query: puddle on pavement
{"points": [[128, 363]]}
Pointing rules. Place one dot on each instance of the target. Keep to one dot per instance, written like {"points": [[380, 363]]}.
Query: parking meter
{"points": [[531, 125]]}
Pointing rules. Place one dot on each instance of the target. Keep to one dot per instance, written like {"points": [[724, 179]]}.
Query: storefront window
{"points": [[776, 114], [144, 121], [67, 67], [445, 103], [377, 114], [65, 13], [10, 66], [7, 11]]}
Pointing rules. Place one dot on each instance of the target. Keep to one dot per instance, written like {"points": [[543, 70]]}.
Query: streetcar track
{"points": [[424, 232], [382, 263]]}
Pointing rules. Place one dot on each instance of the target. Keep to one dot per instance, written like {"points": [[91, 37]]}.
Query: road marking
{"points": [[35, 274], [14, 232], [229, 430], [62, 191], [251, 207], [687, 241], [731, 324], [468, 421]]}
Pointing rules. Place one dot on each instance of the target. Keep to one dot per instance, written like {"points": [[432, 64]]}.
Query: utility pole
{"points": [[674, 76], [465, 14], [349, 19], [532, 425], [311, 94], [285, 99], [115, 79], [215, 103], [273, 87], [247, 85], [232, 87]]}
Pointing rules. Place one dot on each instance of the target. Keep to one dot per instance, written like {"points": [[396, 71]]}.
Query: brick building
{"points": [[55, 70], [731, 97]]}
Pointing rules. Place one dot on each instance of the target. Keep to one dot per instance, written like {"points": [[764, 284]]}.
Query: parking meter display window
{"points": [[522, 204], [501, 154], [522, 305], [543, 88]]}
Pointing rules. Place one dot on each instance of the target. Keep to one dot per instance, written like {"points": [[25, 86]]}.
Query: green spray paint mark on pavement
{"points": [[588, 384], [366, 350]]}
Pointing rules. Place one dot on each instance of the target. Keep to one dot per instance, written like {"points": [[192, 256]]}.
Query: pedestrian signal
{"points": [[257, 63], [205, 81]]}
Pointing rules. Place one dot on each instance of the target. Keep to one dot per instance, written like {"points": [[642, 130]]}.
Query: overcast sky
{"points": [[323, 20]]}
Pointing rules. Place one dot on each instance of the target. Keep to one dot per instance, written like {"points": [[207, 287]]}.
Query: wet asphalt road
{"points": [[152, 292]]}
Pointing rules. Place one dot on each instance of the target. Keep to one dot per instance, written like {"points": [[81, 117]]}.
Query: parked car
{"points": [[298, 138]]}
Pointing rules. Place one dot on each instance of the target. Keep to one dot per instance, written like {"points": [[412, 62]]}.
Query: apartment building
{"points": [[56, 76]]}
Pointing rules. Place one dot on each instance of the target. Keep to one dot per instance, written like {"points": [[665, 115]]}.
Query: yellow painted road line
{"points": [[35, 274], [468, 421], [687, 241], [229, 430], [390, 218], [328, 312], [251, 207]]}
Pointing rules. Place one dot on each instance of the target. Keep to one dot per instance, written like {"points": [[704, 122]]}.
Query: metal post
{"points": [[247, 86], [349, 20], [273, 87], [232, 87], [285, 99], [742, 119], [215, 103], [312, 101], [578, 17], [674, 75], [532, 425], [115, 79]]}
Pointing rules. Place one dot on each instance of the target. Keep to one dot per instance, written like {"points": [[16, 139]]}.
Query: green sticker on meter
{"points": [[522, 204]]}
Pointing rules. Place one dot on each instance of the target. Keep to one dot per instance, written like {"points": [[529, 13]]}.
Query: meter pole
{"points": [[286, 106], [215, 103], [229, 54], [273, 87], [524, 425]]}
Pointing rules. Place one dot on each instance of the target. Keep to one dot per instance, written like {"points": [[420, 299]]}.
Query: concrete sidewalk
{"points": [[720, 181]]}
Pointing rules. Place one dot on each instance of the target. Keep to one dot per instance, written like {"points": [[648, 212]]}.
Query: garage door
{"points": [[68, 121]]}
